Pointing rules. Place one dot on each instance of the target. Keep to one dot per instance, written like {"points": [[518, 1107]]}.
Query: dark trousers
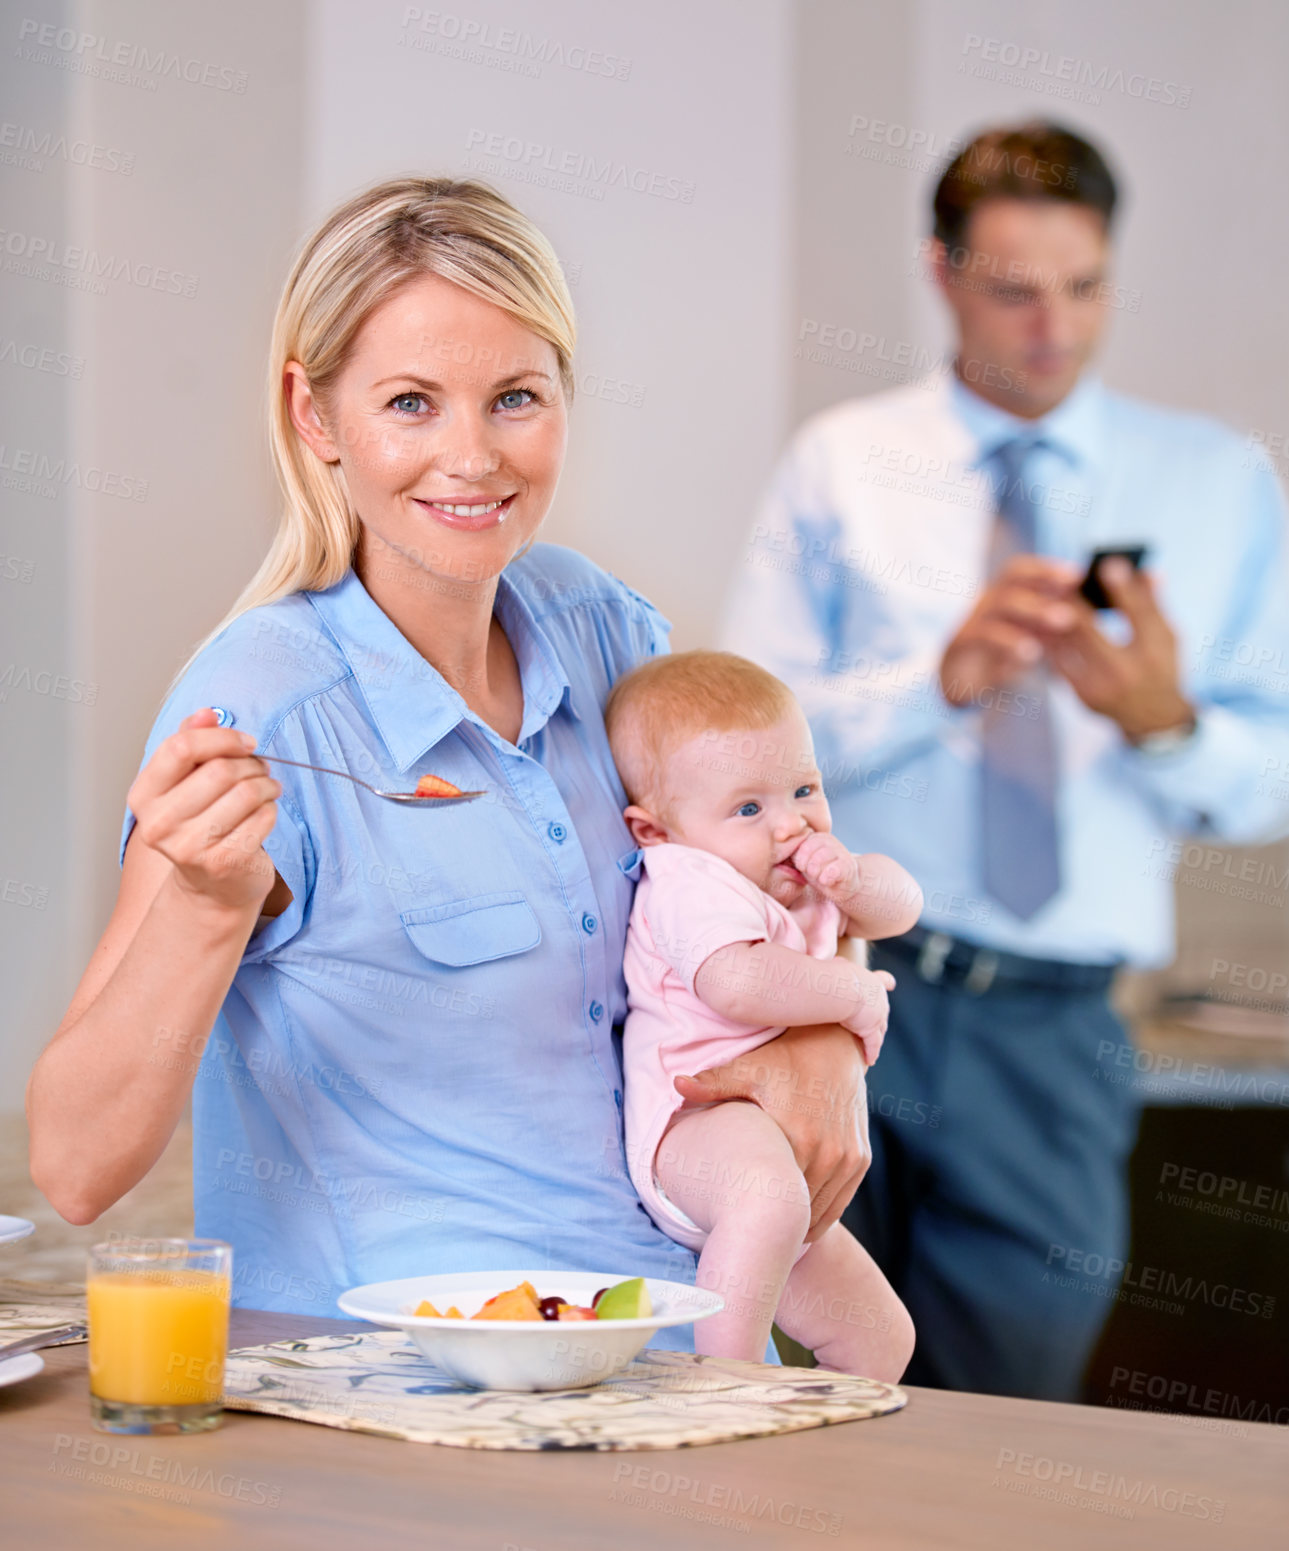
{"points": [[999, 1163]]}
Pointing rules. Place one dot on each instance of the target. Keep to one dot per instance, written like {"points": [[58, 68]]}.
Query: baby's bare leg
{"points": [[839, 1306], [730, 1168]]}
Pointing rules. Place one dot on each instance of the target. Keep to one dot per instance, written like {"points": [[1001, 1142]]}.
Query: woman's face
{"points": [[449, 422]]}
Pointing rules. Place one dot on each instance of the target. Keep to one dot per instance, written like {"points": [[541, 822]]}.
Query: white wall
{"points": [[685, 303], [162, 501]]}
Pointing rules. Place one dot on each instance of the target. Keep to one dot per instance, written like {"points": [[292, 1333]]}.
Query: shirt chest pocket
{"points": [[473, 931]]}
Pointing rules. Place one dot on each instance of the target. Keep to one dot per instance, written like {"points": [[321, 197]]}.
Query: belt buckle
{"points": [[984, 966], [931, 957]]}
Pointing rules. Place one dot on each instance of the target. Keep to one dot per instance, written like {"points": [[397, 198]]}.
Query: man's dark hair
{"points": [[1035, 160]]}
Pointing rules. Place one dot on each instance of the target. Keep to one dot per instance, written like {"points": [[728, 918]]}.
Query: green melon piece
{"points": [[626, 1300]]}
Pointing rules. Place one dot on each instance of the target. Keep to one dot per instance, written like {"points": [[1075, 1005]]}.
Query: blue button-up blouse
{"points": [[417, 1066]]}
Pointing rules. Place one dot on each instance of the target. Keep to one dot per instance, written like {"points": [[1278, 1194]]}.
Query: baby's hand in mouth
{"points": [[824, 861]]}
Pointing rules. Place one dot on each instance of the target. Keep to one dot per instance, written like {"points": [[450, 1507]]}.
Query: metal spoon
{"points": [[40, 1339], [410, 797]]}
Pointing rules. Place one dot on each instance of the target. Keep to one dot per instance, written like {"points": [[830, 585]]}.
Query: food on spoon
{"points": [[625, 1300], [436, 786]]}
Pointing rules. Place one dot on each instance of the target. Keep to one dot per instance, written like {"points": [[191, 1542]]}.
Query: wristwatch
{"points": [[1171, 741]]}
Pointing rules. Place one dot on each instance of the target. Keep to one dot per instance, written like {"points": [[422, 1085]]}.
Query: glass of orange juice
{"points": [[158, 1333]]}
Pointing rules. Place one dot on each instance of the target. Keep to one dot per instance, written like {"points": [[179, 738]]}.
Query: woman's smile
{"points": [[471, 516]]}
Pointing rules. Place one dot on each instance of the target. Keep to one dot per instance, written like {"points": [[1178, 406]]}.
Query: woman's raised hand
{"points": [[207, 805]]}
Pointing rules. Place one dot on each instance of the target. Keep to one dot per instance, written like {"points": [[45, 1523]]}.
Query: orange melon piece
{"points": [[427, 1310], [436, 786], [454, 1313], [515, 1303]]}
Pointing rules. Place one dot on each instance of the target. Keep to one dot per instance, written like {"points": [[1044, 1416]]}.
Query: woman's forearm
{"points": [[105, 1096]]}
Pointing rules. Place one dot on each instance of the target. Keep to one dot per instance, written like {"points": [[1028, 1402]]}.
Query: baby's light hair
{"points": [[665, 702]]}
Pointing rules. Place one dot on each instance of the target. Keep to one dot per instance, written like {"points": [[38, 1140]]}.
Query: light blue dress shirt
{"points": [[417, 1066], [868, 553]]}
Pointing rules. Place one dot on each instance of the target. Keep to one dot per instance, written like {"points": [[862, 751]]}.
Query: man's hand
{"points": [[811, 1081], [1026, 605], [1137, 684]]}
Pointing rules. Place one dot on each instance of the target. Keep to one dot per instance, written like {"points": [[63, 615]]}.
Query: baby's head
{"points": [[715, 753]]}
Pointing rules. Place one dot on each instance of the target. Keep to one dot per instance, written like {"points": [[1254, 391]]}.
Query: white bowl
{"points": [[522, 1354]]}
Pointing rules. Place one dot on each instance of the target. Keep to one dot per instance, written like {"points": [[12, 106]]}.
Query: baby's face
{"points": [[750, 798]]}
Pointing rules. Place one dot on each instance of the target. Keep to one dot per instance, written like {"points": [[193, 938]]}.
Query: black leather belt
{"points": [[940, 959]]}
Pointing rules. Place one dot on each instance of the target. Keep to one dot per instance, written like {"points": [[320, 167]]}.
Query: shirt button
{"points": [[596, 1011], [589, 923], [557, 833], [223, 718]]}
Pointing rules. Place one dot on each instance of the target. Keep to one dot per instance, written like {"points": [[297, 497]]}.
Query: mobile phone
{"points": [[1090, 587]]}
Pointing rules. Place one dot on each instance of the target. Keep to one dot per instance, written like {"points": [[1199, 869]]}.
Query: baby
{"points": [[733, 936]]}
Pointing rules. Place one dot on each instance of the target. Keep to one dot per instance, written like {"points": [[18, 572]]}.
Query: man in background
{"points": [[914, 576]]}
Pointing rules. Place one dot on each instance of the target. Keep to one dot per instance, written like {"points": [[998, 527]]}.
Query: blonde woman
{"points": [[398, 1026]]}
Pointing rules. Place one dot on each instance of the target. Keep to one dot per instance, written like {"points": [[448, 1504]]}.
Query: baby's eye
{"points": [[749, 810], [406, 403]]}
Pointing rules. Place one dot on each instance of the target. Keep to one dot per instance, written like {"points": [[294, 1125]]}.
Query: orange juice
{"points": [[158, 1338]]}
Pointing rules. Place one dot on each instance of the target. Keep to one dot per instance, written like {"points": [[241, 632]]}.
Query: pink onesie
{"points": [[689, 903]]}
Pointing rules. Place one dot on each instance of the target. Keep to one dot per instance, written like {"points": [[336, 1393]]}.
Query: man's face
{"points": [[1030, 297]]}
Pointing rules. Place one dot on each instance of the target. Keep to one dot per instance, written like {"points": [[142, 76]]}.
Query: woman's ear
{"points": [[303, 409], [645, 829]]}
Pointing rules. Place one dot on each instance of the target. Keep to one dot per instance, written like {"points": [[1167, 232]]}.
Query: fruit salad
{"points": [[624, 1300]]}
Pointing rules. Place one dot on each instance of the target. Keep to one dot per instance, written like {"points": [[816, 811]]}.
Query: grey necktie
{"points": [[1018, 770]]}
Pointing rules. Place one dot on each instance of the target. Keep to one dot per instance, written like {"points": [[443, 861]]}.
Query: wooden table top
{"points": [[951, 1470]]}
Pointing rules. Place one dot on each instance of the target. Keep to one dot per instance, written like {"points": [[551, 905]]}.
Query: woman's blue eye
{"points": [[516, 393], [404, 399], [749, 810]]}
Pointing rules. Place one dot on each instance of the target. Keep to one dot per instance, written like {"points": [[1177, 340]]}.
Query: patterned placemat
{"points": [[29, 1307], [379, 1383]]}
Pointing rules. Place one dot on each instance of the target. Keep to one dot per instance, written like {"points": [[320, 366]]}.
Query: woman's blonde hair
{"points": [[363, 253]]}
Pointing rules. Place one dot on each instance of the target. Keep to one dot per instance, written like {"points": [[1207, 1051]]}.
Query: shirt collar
{"points": [[1075, 427], [412, 705]]}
